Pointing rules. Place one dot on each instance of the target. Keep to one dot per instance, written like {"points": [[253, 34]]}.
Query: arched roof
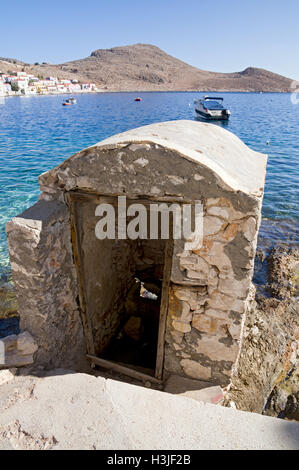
{"points": [[207, 144]]}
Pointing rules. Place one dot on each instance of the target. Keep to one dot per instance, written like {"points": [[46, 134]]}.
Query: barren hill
{"points": [[146, 67]]}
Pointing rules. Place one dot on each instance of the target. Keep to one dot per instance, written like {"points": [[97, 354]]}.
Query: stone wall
{"points": [[208, 296], [46, 283]]}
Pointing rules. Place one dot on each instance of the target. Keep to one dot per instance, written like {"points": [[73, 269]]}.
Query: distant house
{"points": [[52, 79], [5, 88], [61, 88], [48, 83], [74, 88], [88, 86], [2, 89], [52, 89], [22, 82], [41, 88], [21, 74], [31, 90]]}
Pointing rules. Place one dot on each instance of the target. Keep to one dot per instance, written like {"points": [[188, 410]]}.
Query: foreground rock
{"points": [[269, 359], [94, 413]]}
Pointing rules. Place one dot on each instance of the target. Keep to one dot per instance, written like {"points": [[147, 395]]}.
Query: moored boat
{"points": [[69, 102], [211, 108]]}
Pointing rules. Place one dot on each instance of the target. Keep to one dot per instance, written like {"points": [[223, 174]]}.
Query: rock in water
{"points": [[17, 350], [8, 301]]}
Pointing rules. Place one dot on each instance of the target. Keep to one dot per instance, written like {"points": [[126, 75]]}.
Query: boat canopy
{"points": [[211, 104], [213, 98]]}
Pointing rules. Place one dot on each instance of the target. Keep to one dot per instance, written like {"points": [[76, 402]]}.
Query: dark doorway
{"points": [[123, 288]]}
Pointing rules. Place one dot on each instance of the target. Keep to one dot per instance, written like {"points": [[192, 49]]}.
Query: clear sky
{"points": [[218, 35]]}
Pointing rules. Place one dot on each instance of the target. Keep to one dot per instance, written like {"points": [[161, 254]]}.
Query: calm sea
{"points": [[37, 133]]}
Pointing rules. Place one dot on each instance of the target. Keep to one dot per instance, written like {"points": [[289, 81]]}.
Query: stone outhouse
{"points": [[152, 305]]}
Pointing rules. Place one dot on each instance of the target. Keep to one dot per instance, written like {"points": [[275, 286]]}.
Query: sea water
{"points": [[37, 133]]}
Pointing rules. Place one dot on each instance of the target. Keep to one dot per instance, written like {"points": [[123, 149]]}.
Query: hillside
{"points": [[146, 67]]}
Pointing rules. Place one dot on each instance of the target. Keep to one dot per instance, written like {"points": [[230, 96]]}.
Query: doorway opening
{"points": [[124, 292], [135, 341]]}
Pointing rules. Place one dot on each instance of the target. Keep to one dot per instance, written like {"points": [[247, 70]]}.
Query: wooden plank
{"points": [[122, 369], [87, 325], [164, 304]]}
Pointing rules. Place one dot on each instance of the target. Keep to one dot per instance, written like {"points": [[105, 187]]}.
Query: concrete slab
{"points": [[76, 411], [195, 389], [159, 420]]}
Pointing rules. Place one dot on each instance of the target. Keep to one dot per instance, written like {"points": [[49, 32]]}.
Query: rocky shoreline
{"points": [[267, 379]]}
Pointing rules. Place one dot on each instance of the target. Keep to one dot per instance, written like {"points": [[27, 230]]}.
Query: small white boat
{"points": [[211, 108], [71, 101]]}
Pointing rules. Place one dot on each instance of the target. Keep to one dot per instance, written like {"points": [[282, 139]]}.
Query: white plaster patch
{"points": [[141, 162], [198, 177], [176, 179], [155, 190], [135, 147]]}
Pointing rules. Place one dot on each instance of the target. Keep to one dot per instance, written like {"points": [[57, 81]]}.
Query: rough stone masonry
{"points": [[178, 161]]}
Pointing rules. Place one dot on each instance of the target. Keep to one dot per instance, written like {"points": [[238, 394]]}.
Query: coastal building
{"points": [[21, 82], [2, 89], [52, 89], [29, 84], [30, 90], [52, 79], [88, 86], [74, 88], [7, 87], [62, 88]]}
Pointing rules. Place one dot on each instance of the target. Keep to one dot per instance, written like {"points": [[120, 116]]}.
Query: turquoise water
{"points": [[37, 133]]}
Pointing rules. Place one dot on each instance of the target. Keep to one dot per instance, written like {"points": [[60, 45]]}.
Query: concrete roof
{"points": [[237, 165]]}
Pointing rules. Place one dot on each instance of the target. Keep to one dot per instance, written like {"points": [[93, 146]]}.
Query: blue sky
{"points": [[213, 35]]}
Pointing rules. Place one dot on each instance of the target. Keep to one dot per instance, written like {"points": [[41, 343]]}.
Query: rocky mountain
{"points": [[148, 68]]}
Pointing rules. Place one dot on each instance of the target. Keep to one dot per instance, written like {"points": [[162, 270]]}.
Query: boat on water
{"points": [[69, 102], [211, 108], [137, 99]]}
